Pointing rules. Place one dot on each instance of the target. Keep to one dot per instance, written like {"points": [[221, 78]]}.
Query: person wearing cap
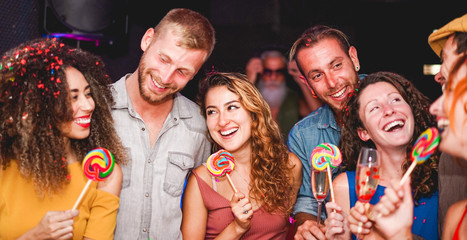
{"points": [[449, 43]]}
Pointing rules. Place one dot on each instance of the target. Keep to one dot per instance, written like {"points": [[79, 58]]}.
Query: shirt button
{"points": [[175, 119], [147, 194], [145, 230], [143, 129]]}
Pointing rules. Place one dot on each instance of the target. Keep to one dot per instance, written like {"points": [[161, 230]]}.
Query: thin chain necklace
{"points": [[244, 179]]}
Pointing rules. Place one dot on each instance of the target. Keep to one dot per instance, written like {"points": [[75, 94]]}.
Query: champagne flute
{"points": [[367, 175], [320, 187]]}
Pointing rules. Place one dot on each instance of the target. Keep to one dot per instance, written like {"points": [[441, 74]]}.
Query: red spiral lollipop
{"points": [[98, 164]]}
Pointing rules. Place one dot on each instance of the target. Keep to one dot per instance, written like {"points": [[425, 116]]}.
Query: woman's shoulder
{"points": [[113, 184], [203, 173], [457, 209], [341, 180]]}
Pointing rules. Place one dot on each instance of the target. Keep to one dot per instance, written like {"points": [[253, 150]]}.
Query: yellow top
{"points": [[21, 209]]}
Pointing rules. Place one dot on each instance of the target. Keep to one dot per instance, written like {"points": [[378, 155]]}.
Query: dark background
{"points": [[388, 34]]}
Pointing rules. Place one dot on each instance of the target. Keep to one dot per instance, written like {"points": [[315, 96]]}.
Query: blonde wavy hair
{"points": [[270, 169]]}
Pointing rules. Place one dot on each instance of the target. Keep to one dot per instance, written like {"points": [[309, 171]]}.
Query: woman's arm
{"points": [[296, 179], [113, 184], [195, 214]]}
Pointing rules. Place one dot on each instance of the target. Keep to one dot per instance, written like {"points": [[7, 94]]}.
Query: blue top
{"points": [[316, 128], [425, 223]]}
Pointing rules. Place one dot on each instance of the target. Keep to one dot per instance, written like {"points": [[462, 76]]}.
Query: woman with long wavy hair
{"points": [[54, 109], [387, 113], [266, 175]]}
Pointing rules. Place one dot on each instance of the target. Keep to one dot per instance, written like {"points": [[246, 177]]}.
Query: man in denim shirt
{"points": [[164, 133], [330, 66]]}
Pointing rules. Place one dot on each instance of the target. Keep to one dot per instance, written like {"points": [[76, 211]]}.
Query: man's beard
{"points": [[273, 92], [145, 94]]}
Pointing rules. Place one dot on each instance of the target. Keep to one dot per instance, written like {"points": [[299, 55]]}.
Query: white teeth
{"points": [[83, 120], [155, 83], [224, 133], [339, 94], [393, 124], [443, 123]]}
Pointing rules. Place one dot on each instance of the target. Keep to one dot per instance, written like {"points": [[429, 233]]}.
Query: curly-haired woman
{"points": [[387, 113], [54, 108], [266, 175]]}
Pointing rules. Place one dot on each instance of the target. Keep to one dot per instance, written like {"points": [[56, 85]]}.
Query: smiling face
{"points": [[229, 123], [329, 71], [454, 127], [166, 67], [387, 118], [82, 104]]}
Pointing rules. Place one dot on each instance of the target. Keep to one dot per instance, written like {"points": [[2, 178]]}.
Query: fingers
{"points": [[332, 207], [309, 230], [57, 224], [358, 222], [242, 209]]}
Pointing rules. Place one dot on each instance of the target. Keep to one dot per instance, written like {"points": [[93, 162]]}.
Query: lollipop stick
{"points": [[82, 194], [407, 174], [231, 183], [330, 183]]}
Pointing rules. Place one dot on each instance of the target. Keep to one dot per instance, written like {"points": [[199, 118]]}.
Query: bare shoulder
{"points": [[341, 180], [204, 174], [457, 209]]}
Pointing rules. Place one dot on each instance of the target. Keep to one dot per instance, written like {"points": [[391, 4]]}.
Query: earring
{"points": [[313, 93], [356, 68]]}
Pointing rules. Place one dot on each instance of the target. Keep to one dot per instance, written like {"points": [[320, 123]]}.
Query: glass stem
{"points": [[318, 218]]}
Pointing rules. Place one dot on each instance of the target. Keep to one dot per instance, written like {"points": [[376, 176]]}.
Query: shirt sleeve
{"points": [[305, 200], [103, 216]]}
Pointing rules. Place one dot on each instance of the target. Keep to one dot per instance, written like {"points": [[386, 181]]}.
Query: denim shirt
{"points": [[154, 177], [318, 127]]}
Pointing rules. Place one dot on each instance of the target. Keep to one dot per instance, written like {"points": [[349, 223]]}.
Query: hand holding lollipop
{"points": [[423, 148], [220, 164], [325, 156], [98, 164]]}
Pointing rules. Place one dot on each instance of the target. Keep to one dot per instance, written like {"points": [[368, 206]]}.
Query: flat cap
{"points": [[438, 38]]}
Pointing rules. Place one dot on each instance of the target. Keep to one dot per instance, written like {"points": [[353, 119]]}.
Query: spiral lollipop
{"points": [[423, 148], [425, 145], [325, 156], [98, 164], [220, 164]]}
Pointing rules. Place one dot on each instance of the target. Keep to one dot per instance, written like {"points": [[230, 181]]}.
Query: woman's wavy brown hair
{"points": [[270, 169], [35, 101], [424, 178]]}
